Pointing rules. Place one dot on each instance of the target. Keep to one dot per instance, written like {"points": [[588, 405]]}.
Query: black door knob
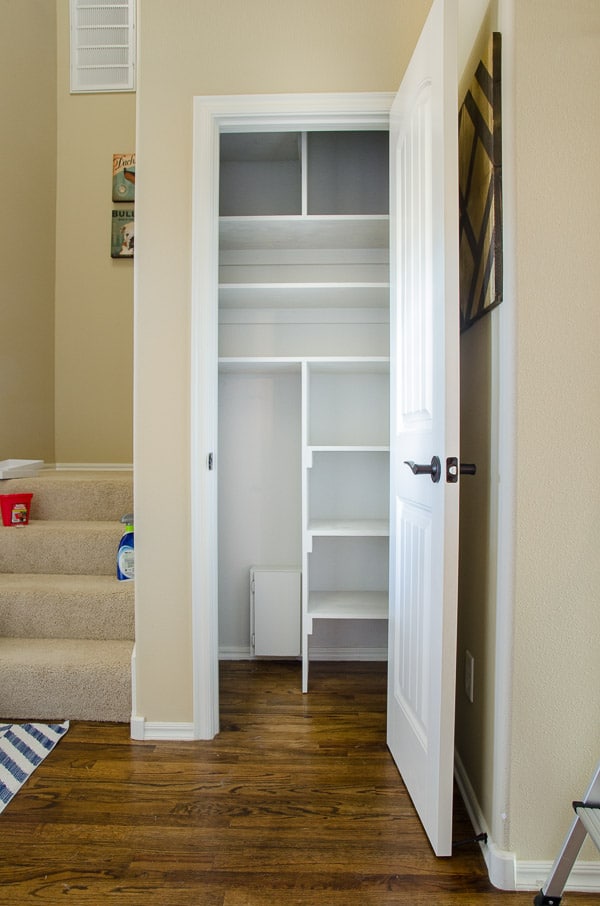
{"points": [[434, 468]]}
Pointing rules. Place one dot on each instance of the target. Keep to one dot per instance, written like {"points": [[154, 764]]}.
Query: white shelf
{"points": [[307, 232], [348, 448], [348, 605], [349, 365], [328, 362], [258, 365], [360, 528], [304, 295]]}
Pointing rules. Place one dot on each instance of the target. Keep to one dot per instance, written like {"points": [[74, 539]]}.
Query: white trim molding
{"points": [[244, 653], [583, 878], [90, 467], [235, 653], [212, 115], [136, 728], [348, 654], [501, 864], [145, 730]]}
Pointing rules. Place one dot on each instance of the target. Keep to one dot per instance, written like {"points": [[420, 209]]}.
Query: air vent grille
{"points": [[102, 46]]}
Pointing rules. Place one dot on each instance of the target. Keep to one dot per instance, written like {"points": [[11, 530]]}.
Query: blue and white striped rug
{"points": [[22, 748]]}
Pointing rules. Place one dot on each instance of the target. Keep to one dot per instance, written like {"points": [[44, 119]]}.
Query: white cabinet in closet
{"points": [[303, 270]]}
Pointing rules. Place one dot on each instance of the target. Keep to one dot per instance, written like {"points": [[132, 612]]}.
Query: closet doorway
{"points": [[301, 317]]}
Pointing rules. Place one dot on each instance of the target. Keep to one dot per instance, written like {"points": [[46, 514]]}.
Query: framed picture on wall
{"points": [[122, 233], [480, 189], [123, 177]]}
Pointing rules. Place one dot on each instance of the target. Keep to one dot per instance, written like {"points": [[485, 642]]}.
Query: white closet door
{"points": [[424, 424]]}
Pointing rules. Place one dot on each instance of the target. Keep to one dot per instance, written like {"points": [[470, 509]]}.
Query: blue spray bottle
{"points": [[125, 551]]}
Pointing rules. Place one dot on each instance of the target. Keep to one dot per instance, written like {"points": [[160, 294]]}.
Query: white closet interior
{"points": [[303, 455]]}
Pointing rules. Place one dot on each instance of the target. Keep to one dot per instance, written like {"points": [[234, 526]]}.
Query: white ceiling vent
{"points": [[102, 45]]}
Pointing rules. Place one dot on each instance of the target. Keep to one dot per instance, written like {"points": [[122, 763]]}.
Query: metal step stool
{"points": [[586, 823]]}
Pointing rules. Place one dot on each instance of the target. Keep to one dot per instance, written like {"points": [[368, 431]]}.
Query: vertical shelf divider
{"points": [[304, 172]]}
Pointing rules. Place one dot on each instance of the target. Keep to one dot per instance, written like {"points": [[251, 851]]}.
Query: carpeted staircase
{"points": [[66, 622]]}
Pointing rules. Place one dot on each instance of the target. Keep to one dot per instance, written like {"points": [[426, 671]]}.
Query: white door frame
{"points": [[213, 115]]}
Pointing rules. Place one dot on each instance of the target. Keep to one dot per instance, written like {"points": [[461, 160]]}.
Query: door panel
{"points": [[424, 423]]}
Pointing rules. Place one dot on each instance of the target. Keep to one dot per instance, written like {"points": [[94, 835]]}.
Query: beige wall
{"points": [[347, 45], [66, 364], [27, 191], [94, 293], [556, 726]]}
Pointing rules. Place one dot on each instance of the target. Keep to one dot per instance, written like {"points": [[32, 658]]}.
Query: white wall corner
{"points": [[501, 864]]}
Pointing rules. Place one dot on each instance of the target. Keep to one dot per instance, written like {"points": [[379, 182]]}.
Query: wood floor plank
{"points": [[296, 802]]}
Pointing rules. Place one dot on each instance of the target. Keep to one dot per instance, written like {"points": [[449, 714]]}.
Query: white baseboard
{"points": [[233, 653], [505, 871], [244, 653], [91, 466], [500, 863], [161, 730], [348, 654], [584, 878]]}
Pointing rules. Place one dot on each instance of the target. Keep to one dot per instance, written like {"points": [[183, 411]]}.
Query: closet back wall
{"points": [[259, 490]]}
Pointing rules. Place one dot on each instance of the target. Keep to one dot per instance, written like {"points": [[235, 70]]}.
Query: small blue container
{"points": [[125, 551]]}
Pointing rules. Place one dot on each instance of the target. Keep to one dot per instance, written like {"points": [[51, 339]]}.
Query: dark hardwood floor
{"points": [[297, 801]]}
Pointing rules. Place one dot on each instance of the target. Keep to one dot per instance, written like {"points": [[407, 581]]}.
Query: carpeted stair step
{"points": [[78, 496], [66, 622], [73, 548], [59, 606], [65, 679]]}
